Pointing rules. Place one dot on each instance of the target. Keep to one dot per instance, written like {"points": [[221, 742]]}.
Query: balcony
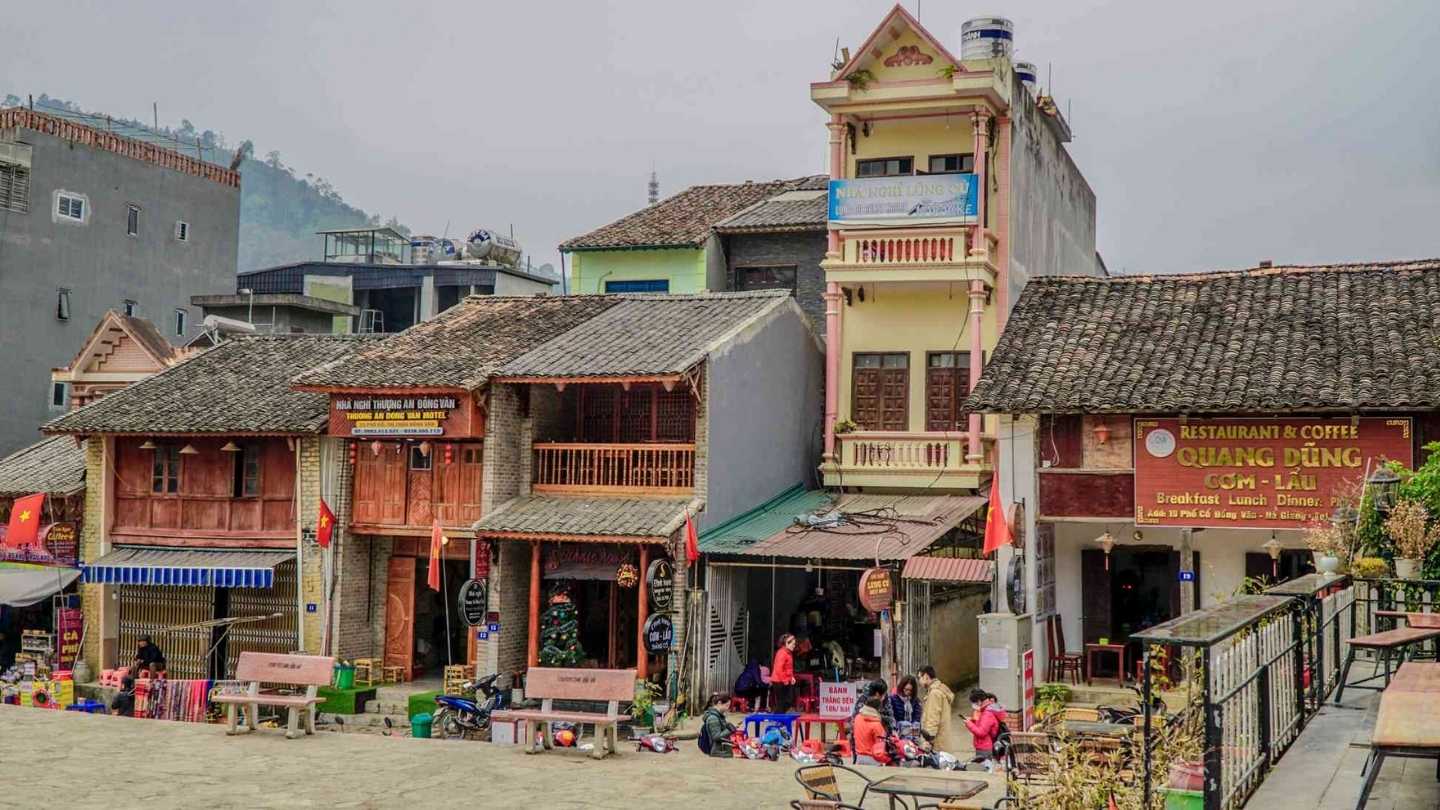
{"points": [[902, 460], [614, 469], [913, 254]]}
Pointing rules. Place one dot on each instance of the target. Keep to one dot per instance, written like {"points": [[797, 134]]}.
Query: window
{"points": [[62, 304], [165, 472], [765, 278], [59, 396], [182, 231], [881, 397], [247, 472], [471, 455], [952, 164], [70, 206], [419, 460], [181, 315], [14, 188], [130, 306], [658, 285], [947, 383], [885, 167], [132, 219]]}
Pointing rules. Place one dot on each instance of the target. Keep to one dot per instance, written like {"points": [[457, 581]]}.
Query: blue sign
{"points": [[1187, 576], [888, 200], [493, 627], [482, 634], [311, 607]]}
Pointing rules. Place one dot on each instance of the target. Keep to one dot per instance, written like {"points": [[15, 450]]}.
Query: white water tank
{"points": [[1027, 73], [987, 38], [422, 249], [448, 250], [498, 248]]}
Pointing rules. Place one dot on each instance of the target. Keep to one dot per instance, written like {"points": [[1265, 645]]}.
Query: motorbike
{"points": [[457, 717]]}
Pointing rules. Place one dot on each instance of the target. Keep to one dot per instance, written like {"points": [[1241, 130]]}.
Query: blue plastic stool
{"points": [[760, 719], [87, 706]]}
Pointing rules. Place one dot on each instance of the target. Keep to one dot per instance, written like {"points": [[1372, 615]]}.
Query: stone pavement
{"points": [[83, 760], [1321, 771]]}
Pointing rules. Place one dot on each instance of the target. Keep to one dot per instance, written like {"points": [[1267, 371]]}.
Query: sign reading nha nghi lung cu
{"points": [[1256, 473]]}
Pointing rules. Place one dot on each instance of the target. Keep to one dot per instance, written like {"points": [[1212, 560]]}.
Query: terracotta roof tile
{"points": [[603, 516], [683, 220], [55, 465]]}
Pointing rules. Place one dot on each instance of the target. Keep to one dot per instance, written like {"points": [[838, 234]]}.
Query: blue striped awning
{"points": [[176, 566]]}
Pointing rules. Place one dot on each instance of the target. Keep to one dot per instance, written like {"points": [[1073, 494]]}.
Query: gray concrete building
{"points": [[89, 222], [778, 243]]}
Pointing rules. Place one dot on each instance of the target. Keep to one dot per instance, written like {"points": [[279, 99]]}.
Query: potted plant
{"points": [[1370, 568], [844, 426], [1327, 542], [1407, 526]]}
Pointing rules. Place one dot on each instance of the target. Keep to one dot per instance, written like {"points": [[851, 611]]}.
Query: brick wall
{"points": [[802, 250], [92, 533], [307, 507], [362, 567], [510, 595], [507, 475]]}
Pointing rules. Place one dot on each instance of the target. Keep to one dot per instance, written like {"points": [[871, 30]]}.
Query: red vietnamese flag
{"points": [[692, 540], [24, 520], [437, 541], [997, 533], [325, 525]]}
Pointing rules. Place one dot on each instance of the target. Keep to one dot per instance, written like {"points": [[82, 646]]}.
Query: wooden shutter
{"points": [[895, 398], [866, 405], [400, 613], [394, 467], [947, 383]]}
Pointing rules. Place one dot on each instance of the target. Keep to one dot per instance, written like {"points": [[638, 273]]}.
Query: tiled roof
{"points": [[148, 336], [240, 386], [462, 347], [1336, 337], [646, 335], [576, 515], [55, 465], [683, 220], [801, 210]]}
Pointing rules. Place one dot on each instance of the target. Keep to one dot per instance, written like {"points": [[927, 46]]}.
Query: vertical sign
{"points": [[1027, 688], [837, 699], [69, 622]]}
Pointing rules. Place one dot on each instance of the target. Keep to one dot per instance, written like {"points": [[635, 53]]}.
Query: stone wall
{"points": [[803, 251]]}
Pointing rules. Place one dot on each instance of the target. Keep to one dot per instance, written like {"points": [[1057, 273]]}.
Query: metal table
{"points": [[919, 786]]}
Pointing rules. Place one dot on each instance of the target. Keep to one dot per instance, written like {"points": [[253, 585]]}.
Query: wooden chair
{"points": [[820, 804], [1081, 713], [1028, 756], [820, 782], [367, 671], [1060, 658]]}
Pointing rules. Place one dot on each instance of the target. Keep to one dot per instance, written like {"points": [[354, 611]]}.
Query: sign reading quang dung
{"points": [[935, 197], [1256, 473], [382, 415]]}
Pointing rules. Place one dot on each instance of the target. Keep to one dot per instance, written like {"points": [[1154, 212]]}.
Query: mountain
{"points": [[280, 211]]}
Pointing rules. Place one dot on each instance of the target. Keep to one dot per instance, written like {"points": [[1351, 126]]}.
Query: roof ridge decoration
{"points": [[897, 16]]}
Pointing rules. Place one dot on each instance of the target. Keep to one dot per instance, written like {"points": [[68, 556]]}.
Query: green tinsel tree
{"points": [[560, 636]]}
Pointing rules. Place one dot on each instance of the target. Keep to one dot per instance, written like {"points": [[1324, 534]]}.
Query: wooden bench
{"points": [[1406, 724], [1386, 643], [549, 684], [310, 671]]}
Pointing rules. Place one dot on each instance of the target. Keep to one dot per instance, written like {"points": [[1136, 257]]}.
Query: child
{"points": [[984, 727]]}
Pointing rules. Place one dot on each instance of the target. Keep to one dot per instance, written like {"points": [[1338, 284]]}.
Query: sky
{"points": [[1215, 134]]}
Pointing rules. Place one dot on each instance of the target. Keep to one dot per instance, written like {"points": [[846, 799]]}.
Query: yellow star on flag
{"points": [[324, 521], [24, 516]]}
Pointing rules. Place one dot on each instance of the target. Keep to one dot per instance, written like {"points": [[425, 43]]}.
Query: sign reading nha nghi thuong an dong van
{"points": [[419, 415], [1256, 473]]}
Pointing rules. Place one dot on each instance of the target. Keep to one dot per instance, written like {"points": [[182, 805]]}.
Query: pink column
{"points": [[973, 453], [981, 125], [833, 297]]}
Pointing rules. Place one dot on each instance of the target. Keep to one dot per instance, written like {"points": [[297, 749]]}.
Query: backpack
{"points": [[704, 741]]}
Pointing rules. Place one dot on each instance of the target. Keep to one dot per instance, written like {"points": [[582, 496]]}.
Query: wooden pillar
{"points": [[642, 658], [532, 652], [612, 639]]}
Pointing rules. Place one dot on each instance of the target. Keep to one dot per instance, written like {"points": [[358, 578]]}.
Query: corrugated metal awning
{"points": [[949, 569], [183, 566], [883, 526]]}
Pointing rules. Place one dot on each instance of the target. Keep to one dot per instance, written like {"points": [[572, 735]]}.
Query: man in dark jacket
{"points": [[148, 657], [715, 729]]}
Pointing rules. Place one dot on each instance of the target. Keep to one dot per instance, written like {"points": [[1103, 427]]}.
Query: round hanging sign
{"points": [[627, 576], [660, 579], [659, 633], [474, 601], [877, 589]]}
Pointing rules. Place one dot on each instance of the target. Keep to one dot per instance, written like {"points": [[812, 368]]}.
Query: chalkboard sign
{"points": [[474, 601], [660, 579], [659, 634]]}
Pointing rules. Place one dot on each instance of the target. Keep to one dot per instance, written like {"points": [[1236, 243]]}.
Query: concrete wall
{"points": [[685, 267], [282, 320], [955, 635], [506, 284], [764, 400], [99, 262], [1052, 208], [803, 251]]}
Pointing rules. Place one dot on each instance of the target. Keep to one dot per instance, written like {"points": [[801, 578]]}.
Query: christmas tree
{"points": [[560, 635]]}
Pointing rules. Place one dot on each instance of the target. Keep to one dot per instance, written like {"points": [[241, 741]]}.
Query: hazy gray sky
{"points": [[1214, 133]]}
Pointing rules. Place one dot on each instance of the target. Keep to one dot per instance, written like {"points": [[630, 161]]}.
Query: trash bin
{"points": [[344, 676], [420, 726], [1177, 799]]}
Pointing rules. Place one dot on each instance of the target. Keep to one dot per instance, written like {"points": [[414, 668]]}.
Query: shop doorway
{"points": [[607, 622], [1139, 588], [423, 632], [1259, 568]]}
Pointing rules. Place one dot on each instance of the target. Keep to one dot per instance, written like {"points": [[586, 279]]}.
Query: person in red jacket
{"points": [[984, 727], [782, 676], [869, 731]]}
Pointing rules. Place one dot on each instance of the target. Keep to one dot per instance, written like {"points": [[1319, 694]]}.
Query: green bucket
{"points": [[1177, 799], [344, 676], [420, 726]]}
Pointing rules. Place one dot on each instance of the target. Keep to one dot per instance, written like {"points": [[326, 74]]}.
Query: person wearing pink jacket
{"points": [[984, 727]]}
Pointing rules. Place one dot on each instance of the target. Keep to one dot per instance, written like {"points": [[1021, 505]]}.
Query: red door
{"points": [[400, 613]]}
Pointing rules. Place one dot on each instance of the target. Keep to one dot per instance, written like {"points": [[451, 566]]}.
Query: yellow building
{"points": [[929, 247]]}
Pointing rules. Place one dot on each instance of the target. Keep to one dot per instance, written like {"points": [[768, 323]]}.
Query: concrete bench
{"points": [[1386, 644], [309, 671], [610, 686]]}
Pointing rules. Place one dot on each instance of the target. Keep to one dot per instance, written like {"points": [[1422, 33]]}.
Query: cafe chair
{"points": [[821, 804], [1061, 660], [820, 782]]}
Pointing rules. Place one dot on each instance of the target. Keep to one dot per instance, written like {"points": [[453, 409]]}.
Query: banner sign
{"points": [[923, 198], [68, 624], [877, 589], [660, 581], [1027, 689], [58, 544], [387, 415], [1256, 473], [837, 699]]}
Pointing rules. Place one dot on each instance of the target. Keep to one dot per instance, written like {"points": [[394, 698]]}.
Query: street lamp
{"points": [[1273, 548], [1384, 487], [1107, 543]]}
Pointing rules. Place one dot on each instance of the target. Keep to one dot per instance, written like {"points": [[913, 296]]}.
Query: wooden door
{"points": [[392, 491], [400, 613], [419, 511], [369, 483], [1094, 596], [881, 391], [947, 382]]}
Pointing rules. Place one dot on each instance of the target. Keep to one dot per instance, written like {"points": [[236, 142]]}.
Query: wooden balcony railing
{"points": [[614, 468]]}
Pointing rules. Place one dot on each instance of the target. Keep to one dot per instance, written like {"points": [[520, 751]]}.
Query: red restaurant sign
{"points": [[391, 415], [1256, 473]]}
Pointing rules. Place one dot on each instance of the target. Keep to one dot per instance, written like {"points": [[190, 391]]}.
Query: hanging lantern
{"points": [[147, 445], [375, 447], [1384, 487], [1102, 433], [425, 449], [1107, 544], [350, 452], [449, 454], [1273, 548], [189, 450], [230, 447], [627, 576]]}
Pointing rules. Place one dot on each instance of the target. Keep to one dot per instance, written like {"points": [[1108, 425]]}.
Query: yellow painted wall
{"points": [[590, 269], [906, 73], [913, 318], [916, 137]]}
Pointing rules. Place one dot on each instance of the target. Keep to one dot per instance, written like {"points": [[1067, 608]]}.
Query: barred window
{"points": [[14, 188]]}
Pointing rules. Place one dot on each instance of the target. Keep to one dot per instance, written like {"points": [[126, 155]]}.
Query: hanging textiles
{"points": [[22, 584], [183, 700]]}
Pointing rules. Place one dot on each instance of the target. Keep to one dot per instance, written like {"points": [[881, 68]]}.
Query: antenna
{"points": [[654, 190]]}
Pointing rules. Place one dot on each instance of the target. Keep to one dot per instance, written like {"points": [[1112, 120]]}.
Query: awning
{"points": [[814, 525], [949, 569], [177, 566], [22, 584]]}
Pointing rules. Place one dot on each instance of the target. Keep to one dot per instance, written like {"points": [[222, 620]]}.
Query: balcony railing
{"points": [[875, 458], [614, 468], [914, 254], [884, 248]]}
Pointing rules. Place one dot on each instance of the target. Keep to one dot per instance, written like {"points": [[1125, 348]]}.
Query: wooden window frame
{"points": [[854, 390], [132, 220], [929, 159], [165, 470], [418, 461], [246, 460], [957, 418], [901, 158], [793, 269]]}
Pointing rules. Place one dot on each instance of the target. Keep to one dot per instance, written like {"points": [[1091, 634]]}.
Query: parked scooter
{"points": [[1133, 715], [457, 717]]}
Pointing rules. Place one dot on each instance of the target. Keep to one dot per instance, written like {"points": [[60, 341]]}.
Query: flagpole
{"points": [[445, 599]]}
